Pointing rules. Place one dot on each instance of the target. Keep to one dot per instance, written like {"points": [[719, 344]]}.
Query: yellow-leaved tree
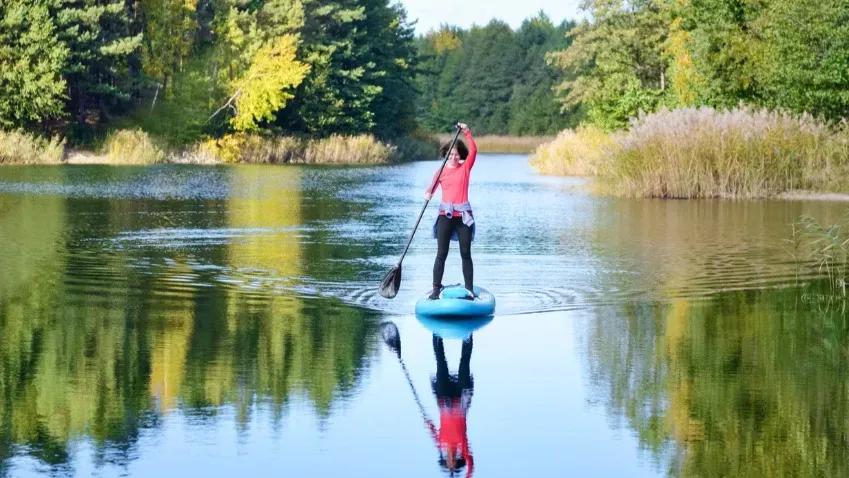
{"points": [[265, 87]]}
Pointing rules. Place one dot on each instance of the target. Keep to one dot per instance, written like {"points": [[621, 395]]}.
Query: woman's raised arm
{"points": [[473, 149]]}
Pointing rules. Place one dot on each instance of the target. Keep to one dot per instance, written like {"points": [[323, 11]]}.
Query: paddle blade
{"points": [[391, 283], [391, 337]]}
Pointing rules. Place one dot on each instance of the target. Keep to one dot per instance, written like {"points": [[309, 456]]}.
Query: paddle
{"points": [[393, 340], [392, 282]]}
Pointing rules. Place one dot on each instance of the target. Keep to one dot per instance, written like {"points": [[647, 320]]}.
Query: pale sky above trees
{"points": [[463, 13]]}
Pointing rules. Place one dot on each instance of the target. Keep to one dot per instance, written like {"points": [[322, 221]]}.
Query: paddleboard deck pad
{"points": [[454, 302]]}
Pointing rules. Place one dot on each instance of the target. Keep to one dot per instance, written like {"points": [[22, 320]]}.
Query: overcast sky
{"points": [[464, 13]]}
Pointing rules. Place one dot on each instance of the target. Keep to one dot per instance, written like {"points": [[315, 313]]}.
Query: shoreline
{"points": [[586, 187], [137, 147], [812, 196], [85, 158], [88, 158], [82, 158], [503, 144]]}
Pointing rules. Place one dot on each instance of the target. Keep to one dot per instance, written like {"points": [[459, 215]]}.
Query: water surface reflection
{"points": [[452, 392], [749, 384], [224, 321]]}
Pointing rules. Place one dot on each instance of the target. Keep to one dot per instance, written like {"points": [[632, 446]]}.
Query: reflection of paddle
{"points": [[392, 282], [393, 340]]}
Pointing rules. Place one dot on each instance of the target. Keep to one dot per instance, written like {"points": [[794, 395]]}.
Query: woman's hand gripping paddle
{"points": [[392, 282]]}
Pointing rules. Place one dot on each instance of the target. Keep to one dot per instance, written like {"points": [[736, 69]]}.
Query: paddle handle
{"points": [[447, 155]]}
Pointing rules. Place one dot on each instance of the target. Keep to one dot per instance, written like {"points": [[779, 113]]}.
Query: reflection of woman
{"points": [[454, 396]]}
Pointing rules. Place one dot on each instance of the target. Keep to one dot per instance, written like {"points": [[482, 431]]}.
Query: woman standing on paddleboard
{"points": [[455, 221]]}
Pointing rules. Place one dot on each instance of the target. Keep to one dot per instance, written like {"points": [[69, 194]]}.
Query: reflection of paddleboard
{"points": [[453, 328], [452, 303]]}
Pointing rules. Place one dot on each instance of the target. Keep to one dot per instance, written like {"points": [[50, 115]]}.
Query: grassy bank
{"points": [[363, 149], [134, 146], [504, 144], [705, 153]]}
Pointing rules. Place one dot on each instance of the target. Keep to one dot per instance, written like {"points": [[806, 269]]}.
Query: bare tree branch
{"points": [[155, 95], [228, 103]]}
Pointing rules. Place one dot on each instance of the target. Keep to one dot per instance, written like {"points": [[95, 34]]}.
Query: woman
{"points": [[455, 221]]}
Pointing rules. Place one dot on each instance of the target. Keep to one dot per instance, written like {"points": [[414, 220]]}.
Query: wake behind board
{"points": [[453, 303]]}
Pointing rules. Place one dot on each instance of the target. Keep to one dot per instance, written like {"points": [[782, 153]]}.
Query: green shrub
{"points": [[416, 147]]}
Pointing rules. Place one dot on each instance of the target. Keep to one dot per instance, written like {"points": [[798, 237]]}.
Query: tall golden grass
{"points": [[336, 149], [578, 152], [706, 153], [132, 146], [242, 148], [135, 146], [363, 149], [22, 148], [503, 144], [824, 246]]}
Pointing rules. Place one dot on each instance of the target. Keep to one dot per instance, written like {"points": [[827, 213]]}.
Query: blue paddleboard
{"points": [[451, 303]]}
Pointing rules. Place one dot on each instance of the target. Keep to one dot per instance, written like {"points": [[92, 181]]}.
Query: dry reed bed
{"points": [[575, 152], [125, 147], [336, 149], [132, 147], [704, 153], [21, 148]]}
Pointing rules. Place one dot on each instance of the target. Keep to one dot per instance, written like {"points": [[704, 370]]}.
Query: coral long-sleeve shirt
{"points": [[455, 181]]}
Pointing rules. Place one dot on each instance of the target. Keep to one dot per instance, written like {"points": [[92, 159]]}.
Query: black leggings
{"points": [[444, 228]]}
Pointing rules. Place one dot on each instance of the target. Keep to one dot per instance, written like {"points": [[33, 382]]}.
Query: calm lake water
{"points": [[225, 321]]}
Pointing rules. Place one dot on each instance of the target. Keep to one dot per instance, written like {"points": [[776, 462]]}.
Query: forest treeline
{"points": [[648, 54], [495, 78], [189, 70], [185, 69]]}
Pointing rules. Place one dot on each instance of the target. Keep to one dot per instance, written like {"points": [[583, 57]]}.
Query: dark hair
{"points": [[461, 149]]}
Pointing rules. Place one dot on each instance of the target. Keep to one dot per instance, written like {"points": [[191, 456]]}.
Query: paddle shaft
{"points": [[448, 155], [413, 388]]}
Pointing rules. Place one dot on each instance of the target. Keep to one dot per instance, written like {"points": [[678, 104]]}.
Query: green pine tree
{"points": [[360, 55], [32, 59], [103, 64], [533, 106]]}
